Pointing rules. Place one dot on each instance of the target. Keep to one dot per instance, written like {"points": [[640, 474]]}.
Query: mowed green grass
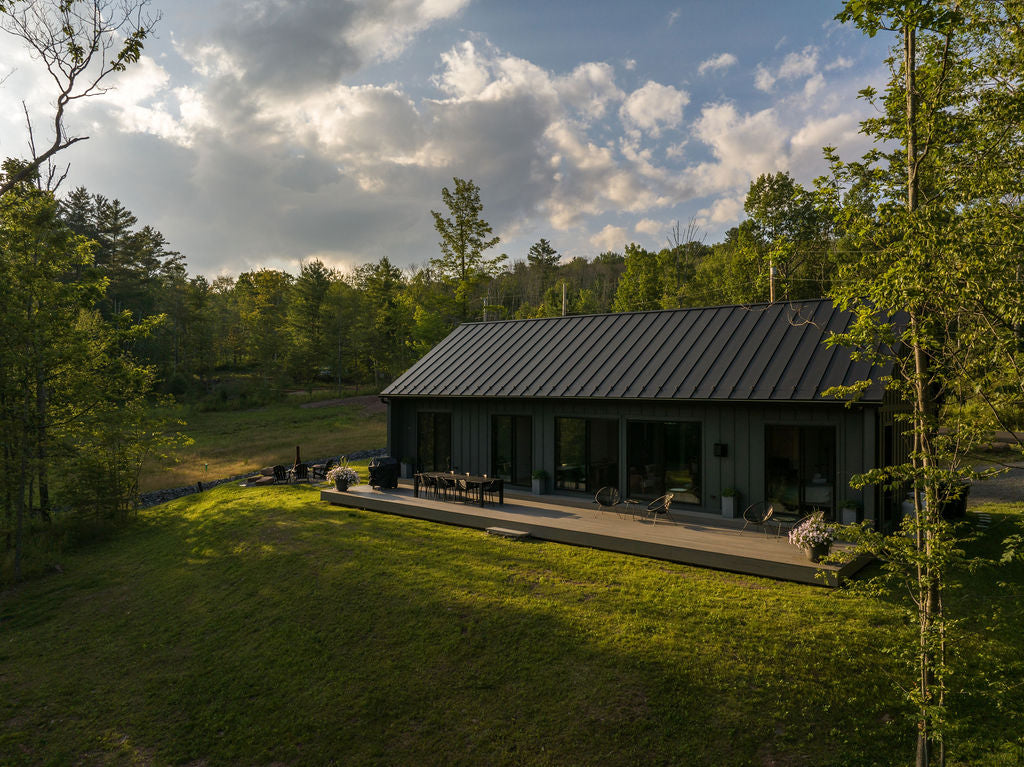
{"points": [[261, 626], [235, 442]]}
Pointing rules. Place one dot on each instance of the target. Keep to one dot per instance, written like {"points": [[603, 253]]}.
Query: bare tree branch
{"points": [[80, 43]]}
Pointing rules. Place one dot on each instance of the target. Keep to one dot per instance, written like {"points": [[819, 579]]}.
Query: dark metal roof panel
{"points": [[760, 353]]}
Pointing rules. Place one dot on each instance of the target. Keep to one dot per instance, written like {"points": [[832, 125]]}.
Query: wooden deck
{"points": [[694, 539]]}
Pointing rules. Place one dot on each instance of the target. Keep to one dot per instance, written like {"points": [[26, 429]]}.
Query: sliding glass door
{"points": [[512, 448], [800, 467], [434, 441], [664, 457], [586, 454]]}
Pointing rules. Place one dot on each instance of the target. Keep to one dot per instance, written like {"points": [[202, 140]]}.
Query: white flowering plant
{"points": [[345, 474], [812, 531]]}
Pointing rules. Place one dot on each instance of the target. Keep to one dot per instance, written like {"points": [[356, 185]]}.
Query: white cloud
{"points": [[589, 89], [725, 210], [763, 79], [716, 63], [465, 74], [653, 107], [629, 64], [814, 84], [799, 64], [840, 63], [610, 238], [744, 146], [648, 226]]}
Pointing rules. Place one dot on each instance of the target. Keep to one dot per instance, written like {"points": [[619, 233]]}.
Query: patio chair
{"points": [[429, 485], [661, 506], [319, 470], [607, 498], [446, 488], [280, 474], [300, 472], [761, 514], [491, 491]]}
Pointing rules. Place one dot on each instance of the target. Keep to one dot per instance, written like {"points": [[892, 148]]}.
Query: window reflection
{"points": [[664, 457]]}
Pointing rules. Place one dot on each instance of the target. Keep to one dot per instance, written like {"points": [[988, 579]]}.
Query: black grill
{"points": [[384, 472]]}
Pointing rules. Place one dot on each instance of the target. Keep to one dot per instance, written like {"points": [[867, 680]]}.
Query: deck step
{"points": [[505, 532]]}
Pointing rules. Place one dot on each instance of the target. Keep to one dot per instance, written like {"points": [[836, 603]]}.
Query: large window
{"points": [[586, 454], [664, 457], [434, 441], [512, 448], [800, 467]]}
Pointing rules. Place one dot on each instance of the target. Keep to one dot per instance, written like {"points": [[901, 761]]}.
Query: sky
{"points": [[265, 133]]}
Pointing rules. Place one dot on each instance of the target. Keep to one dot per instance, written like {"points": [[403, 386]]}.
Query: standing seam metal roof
{"points": [[761, 352]]}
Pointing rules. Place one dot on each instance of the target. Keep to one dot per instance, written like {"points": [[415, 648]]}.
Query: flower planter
{"points": [[341, 485], [537, 486], [816, 551]]}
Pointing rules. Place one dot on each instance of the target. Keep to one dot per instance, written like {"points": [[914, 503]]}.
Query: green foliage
{"points": [[640, 285], [934, 218], [465, 235], [73, 413]]}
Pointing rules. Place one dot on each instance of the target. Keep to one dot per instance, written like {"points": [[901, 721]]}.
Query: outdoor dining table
{"points": [[472, 481]]}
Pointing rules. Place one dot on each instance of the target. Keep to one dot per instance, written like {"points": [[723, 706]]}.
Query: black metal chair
{"points": [[761, 514], [491, 491], [661, 506], [607, 498]]}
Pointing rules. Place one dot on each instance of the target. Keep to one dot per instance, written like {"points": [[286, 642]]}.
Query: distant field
{"points": [[234, 442]]}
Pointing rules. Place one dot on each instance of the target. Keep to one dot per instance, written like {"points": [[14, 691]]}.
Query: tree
{"points": [[542, 256], [464, 238], [385, 319], [81, 43], [307, 316], [262, 299], [70, 392], [640, 285], [791, 233], [936, 216]]}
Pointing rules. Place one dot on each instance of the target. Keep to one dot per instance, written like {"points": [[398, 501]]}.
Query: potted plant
{"points": [[406, 467], [849, 511], [730, 500], [814, 535], [342, 477], [539, 481]]}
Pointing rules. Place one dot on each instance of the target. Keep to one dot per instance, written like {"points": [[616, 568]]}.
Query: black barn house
{"points": [[687, 401]]}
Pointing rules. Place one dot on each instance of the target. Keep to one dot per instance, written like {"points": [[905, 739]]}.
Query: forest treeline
{"points": [[274, 329]]}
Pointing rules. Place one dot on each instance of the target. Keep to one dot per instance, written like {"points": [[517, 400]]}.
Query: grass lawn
{"points": [[260, 626], [235, 442]]}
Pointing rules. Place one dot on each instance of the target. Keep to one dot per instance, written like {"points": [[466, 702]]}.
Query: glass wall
{"points": [[800, 467], [586, 454], [512, 448], [664, 457], [434, 441]]}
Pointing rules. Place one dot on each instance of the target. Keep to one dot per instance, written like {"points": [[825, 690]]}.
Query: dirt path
{"points": [[371, 403]]}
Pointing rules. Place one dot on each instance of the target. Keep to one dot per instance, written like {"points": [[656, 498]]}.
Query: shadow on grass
{"points": [[261, 626]]}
